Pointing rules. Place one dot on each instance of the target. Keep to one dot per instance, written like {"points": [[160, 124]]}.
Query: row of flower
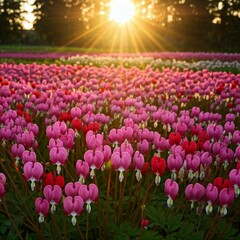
{"points": [[84, 134], [186, 56], [154, 63]]}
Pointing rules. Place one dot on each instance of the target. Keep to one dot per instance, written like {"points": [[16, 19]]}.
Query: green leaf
{"points": [[230, 232], [195, 236], [3, 228], [185, 230], [171, 236], [226, 230], [174, 222], [150, 235], [12, 236], [156, 216]]}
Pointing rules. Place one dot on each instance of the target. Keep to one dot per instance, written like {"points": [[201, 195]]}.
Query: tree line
{"points": [[185, 25]]}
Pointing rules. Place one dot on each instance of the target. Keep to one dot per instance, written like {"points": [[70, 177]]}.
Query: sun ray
{"points": [[83, 34]]}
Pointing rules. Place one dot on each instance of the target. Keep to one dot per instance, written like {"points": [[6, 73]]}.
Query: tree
{"points": [[10, 21]]}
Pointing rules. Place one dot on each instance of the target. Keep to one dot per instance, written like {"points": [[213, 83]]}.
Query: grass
{"points": [[42, 49]]}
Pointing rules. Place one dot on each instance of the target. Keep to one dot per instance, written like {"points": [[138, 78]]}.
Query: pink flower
{"points": [[229, 127], [33, 172], [126, 147], [143, 146], [2, 185], [174, 163], [171, 189], [42, 208], [206, 159], [116, 136], [107, 153], [214, 132], [71, 188], [234, 177], [181, 128], [3, 179], [68, 139], [17, 150], [61, 125], [194, 192], [76, 112], [121, 161], [236, 137], [82, 169], [2, 190], [138, 161], [226, 198], [159, 143], [29, 156], [73, 206], [53, 132], [93, 140], [192, 164], [54, 195], [27, 139], [94, 158], [58, 156], [55, 143], [89, 194], [211, 195]]}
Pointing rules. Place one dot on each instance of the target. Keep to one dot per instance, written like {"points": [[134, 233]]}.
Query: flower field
{"points": [[94, 148]]}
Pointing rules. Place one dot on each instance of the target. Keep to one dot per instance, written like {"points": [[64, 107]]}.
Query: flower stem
{"points": [[121, 194], [11, 220], [107, 201], [115, 197], [87, 223], [56, 227]]}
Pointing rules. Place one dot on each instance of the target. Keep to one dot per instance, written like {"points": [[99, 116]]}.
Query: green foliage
{"points": [[171, 225]]}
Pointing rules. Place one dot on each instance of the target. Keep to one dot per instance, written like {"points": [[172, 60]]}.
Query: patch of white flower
{"points": [[142, 62]]}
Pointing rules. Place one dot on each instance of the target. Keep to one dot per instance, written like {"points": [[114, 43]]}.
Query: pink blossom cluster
{"points": [[155, 55], [181, 125]]}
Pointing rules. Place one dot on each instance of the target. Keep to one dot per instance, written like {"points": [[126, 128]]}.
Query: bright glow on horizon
{"points": [[121, 11]]}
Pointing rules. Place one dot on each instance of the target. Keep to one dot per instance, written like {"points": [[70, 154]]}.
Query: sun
{"points": [[121, 11]]}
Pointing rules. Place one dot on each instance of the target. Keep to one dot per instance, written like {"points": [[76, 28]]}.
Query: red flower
{"points": [[189, 147], [144, 223], [27, 117], [52, 179], [37, 94], [76, 124], [5, 83], [20, 113], [234, 84], [33, 85], [230, 105], [238, 166], [145, 168], [65, 116], [20, 106], [202, 138], [158, 165], [94, 126], [163, 97], [221, 183], [174, 138]]}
